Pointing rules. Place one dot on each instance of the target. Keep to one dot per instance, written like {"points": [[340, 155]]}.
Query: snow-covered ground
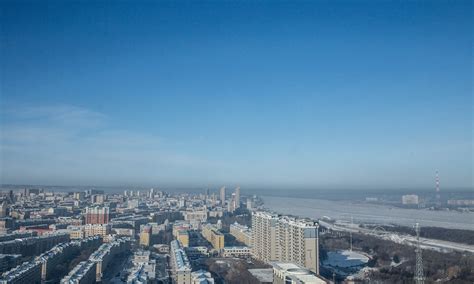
{"points": [[345, 259]]}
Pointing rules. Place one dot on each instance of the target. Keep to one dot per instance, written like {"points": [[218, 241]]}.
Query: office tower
{"points": [[97, 215], [237, 197], [222, 195], [283, 238]]}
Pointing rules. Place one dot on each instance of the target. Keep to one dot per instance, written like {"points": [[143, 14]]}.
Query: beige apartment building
{"points": [[283, 238]]}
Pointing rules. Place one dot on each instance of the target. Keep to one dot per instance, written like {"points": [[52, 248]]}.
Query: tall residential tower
{"points": [[282, 238]]}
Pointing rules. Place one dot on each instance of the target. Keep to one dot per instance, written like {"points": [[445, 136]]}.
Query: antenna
{"points": [[419, 275], [352, 225], [438, 197]]}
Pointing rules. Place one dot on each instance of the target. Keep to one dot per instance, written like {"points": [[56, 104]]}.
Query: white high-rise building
{"points": [[282, 238], [222, 195], [237, 197]]}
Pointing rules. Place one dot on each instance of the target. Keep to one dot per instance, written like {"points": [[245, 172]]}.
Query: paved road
{"points": [[400, 238]]}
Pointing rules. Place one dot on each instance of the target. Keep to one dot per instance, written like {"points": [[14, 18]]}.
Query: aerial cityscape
{"points": [[227, 142]]}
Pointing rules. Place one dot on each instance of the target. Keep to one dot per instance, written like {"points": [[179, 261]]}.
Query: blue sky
{"points": [[313, 94]]}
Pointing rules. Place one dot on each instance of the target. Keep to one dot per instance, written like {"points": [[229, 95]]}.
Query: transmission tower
{"points": [[438, 196], [352, 226], [419, 277]]}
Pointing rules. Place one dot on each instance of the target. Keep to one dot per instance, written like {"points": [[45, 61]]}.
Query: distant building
{"points": [[79, 195], [97, 215], [461, 202], [196, 215], [249, 204], [97, 230], [98, 198], [410, 199], [145, 235], [183, 237], [222, 195], [237, 197]]}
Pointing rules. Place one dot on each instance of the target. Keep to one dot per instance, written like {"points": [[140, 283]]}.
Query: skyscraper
{"points": [[283, 238], [222, 193], [237, 197]]}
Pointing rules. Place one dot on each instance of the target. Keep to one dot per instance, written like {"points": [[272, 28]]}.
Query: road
{"points": [[425, 243]]}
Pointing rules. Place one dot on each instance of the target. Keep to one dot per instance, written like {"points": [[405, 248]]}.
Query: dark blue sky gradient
{"points": [[313, 94]]}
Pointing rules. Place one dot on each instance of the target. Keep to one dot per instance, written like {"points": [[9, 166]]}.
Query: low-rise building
{"points": [[28, 272], [183, 237], [106, 252], [237, 251], [180, 266], [410, 199], [96, 230], [213, 236], [292, 273], [83, 273], [8, 261], [201, 277], [241, 233]]}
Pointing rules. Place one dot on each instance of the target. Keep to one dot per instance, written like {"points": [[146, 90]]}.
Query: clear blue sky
{"points": [[313, 94]]}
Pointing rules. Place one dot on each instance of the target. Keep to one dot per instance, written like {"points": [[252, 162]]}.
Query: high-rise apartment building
{"points": [[97, 215], [222, 195], [282, 238], [237, 197]]}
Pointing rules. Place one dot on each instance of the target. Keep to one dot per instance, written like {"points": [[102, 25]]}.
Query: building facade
{"points": [[282, 238], [97, 215], [213, 236]]}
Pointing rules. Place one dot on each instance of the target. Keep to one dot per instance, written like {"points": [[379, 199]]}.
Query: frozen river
{"points": [[368, 213]]}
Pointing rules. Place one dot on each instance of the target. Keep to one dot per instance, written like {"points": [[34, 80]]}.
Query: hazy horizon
{"points": [[306, 95]]}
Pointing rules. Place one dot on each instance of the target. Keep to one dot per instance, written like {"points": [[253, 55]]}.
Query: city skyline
{"points": [[306, 95]]}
